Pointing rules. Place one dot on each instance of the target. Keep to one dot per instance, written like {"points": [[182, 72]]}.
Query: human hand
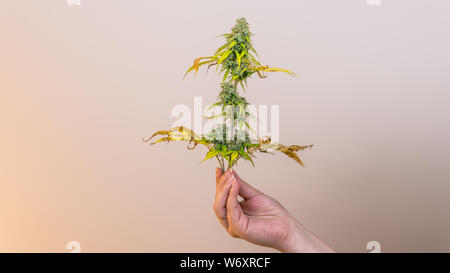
{"points": [[259, 218]]}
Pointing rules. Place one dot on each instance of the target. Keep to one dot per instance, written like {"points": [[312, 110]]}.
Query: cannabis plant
{"points": [[230, 139]]}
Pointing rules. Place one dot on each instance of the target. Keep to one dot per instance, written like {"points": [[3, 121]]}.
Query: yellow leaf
{"points": [[224, 56], [238, 57], [274, 69], [212, 153], [232, 44], [197, 65]]}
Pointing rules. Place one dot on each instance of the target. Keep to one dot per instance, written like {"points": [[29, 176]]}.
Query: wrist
{"points": [[301, 240]]}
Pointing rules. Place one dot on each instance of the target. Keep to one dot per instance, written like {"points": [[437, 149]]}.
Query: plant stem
{"points": [[221, 163], [230, 164]]}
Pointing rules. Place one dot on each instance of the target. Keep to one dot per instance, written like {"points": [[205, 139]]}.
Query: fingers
{"points": [[245, 190], [236, 218], [223, 186], [218, 174], [226, 204]]}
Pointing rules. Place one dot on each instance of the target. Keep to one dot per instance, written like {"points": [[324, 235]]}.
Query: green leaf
{"points": [[224, 56], [238, 57], [234, 155], [246, 156], [254, 60], [213, 105], [243, 53], [251, 144], [213, 117], [212, 153], [220, 49], [225, 75], [223, 35], [242, 85], [245, 79], [232, 44], [251, 47], [241, 108]]}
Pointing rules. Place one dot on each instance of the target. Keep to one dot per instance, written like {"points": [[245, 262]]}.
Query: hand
{"points": [[260, 219]]}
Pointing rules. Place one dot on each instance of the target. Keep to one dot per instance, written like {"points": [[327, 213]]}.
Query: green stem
{"points": [[230, 164], [221, 163]]}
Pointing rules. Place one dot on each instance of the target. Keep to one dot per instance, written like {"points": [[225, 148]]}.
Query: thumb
{"points": [[218, 173], [236, 218], [245, 189]]}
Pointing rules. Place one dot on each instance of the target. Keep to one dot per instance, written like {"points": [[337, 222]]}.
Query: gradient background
{"points": [[80, 86]]}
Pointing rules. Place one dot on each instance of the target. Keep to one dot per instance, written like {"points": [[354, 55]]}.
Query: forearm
{"points": [[301, 240]]}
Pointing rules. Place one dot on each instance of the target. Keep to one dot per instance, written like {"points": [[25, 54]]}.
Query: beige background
{"points": [[81, 86]]}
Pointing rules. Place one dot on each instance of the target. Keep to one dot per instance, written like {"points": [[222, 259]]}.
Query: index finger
{"points": [[222, 190], [219, 173]]}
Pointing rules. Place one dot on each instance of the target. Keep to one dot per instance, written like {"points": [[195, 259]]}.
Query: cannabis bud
{"points": [[230, 140]]}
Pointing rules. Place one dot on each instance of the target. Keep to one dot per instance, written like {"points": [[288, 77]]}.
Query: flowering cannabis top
{"points": [[229, 140]]}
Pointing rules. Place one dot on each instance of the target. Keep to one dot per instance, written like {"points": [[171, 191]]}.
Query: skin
{"points": [[259, 218]]}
